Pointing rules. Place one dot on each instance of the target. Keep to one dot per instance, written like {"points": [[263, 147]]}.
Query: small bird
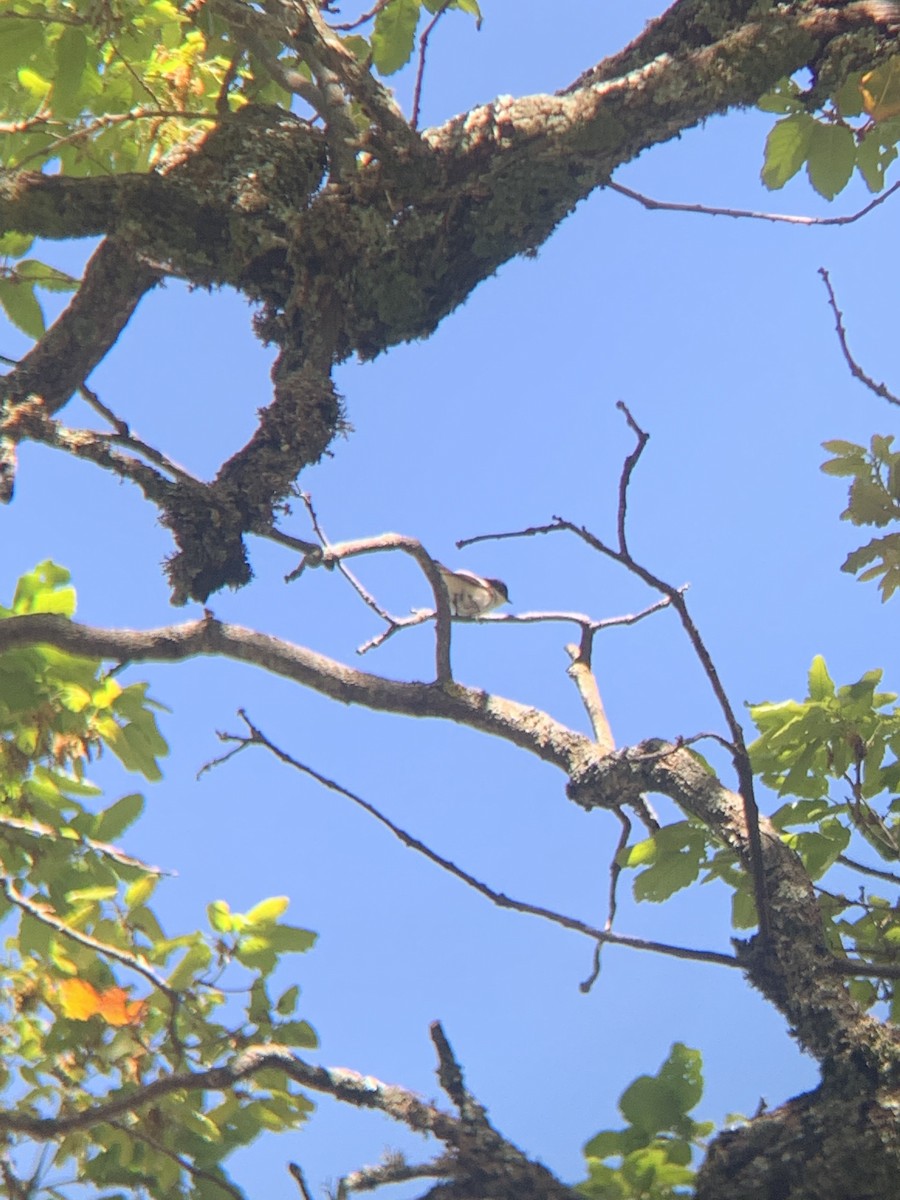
{"points": [[470, 595]]}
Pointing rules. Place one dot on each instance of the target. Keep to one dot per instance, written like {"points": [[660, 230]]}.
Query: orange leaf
{"points": [[80, 1001], [116, 1009]]}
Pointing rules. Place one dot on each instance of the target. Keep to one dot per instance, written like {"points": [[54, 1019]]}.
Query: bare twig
{"points": [[395, 1169], [676, 597], [581, 672], [749, 214], [875, 872], [857, 968], [365, 595], [420, 70], [300, 1180], [631, 461], [125, 437], [333, 555], [880, 389], [615, 870], [286, 539], [465, 1162], [348, 26], [355, 78], [395, 625], [258, 738]]}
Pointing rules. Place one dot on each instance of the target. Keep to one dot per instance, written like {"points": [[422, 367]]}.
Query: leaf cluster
{"points": [[874, 499], [837, 752], [98, 999], [650, 1159], [104, 89], [858, 130]]}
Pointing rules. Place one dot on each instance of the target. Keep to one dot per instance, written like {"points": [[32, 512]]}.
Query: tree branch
{"points": [[856, 370], [600, 936], [114, 283], [479, 1154], [708, 210]]}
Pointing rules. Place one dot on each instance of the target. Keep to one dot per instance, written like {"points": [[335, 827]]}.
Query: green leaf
{"points": [[92, 893], [71, 61], [849, 100], [297, 1033], [680, 851], [19, 303], [113, 821], [219, 915], [45, 276], [289, 939], [393, 36], [136, 750], [267, 911], [786, 149], [14, 244], [141, 890], [649, 1106], [606, 1144], [831, 157], [821, 685], [682, 1073], [21, 39], [875, 153], [42, 591], [287, 1001], [783, 98], [35, 84], [257, 952], [836, 446], [659, 1104], [194, 964]]}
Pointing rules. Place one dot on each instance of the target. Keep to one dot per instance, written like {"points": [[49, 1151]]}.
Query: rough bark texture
{"points": [[352, 248]]}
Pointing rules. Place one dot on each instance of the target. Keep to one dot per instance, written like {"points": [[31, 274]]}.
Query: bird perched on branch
{"points": [[469, 594]]}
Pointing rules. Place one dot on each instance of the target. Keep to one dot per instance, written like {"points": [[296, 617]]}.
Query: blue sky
{"points": [[717, 335]]}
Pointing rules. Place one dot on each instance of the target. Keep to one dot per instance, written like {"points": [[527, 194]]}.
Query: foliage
{"points": [[840, 139], [100, 1002], [874, 499], [652, 1156], [106, 89], [838, 753], [78, 921]]}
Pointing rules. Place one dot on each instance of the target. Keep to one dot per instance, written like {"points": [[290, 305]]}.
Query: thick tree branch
{"points": [[113, 285], [413, 228], [482, 1162], [793, 968]]}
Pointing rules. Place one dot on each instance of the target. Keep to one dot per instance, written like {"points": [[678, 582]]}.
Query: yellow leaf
{"points": [[881, 90], [79, 999]]}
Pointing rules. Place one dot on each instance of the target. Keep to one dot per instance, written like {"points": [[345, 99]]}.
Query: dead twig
{"points": [[420, 69], [258, 738], [749, 214], [623, 556], [880, 389]]}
